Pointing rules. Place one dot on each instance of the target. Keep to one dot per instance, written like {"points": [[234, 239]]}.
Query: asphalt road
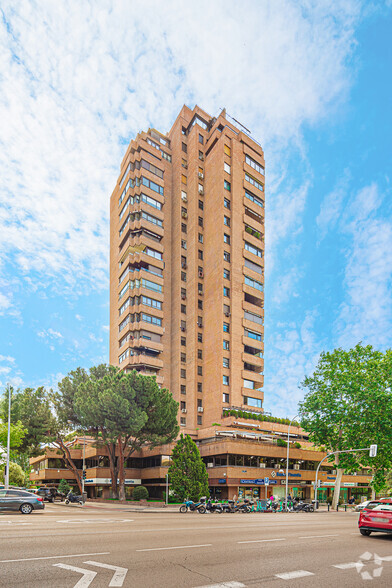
{"points": [[69, 546]]}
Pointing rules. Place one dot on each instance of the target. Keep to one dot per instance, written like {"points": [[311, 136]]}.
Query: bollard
{"points": [[345, 508], [328, 506], [337, 508]]}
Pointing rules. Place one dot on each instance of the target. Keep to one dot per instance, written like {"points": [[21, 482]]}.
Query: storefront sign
{"points": [[108, 481], [257, 482], [222, 481], [327, 483], [351, 484], [291, 475]]}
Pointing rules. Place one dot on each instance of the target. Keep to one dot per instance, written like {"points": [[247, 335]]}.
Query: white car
{"points": [[362, 505]]}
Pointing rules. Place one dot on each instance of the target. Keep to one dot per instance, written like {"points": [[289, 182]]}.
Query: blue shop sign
{"points": [[222, 481], [291, 475], [258, 482]]}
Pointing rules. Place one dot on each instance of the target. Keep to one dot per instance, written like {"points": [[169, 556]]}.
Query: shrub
{"points": [[297, 445], [281, 443], [140, 493]]}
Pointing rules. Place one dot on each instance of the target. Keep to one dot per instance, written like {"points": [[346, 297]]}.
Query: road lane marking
{"points": [[53, 557], [119, 573], [346, 566], [95, 521], [262, 540], [176, 547], [87, 578], [317, 536], [225, 585], [293, 575]]}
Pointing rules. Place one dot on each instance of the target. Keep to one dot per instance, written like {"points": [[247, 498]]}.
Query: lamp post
{"points": [[7, 476], [287, 460]]}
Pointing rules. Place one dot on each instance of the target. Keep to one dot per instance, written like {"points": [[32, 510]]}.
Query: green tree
{"points": [[17, 433], [348, 406], [187, 473], [126, 412], [64, 487], [17, 475]]}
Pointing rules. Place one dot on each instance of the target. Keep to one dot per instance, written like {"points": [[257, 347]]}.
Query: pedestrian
{"points": [[289, 497], [272, 498]]}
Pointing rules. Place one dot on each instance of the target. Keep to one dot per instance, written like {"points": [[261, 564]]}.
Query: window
{"points": [[123, 290], [152, 168], [227, 150], [183, 373], [200, 221], [183, 227], [201, 189], [255, 318], [199, 321], [226, 203], [252, 249], [226, 291], [153, 253], [199, 420], [227, 168], [199, 387], [183, 357], [151, 201], [254, 182], [184, 148], [226, 238], [254, 284], [183, 389], [253, 335], [166, 156], [200, 254], [200, 238], [183, 196], [226, 345], [183, 276], [226, 221], [183, 422], [151, 302], [183, 179], [253, 266], [259, 168], [226, 362], [200, 289], [183, 405], [201, 139], [151, 285], [254, 199], [183, 308], [201, 156], [253, 232], [199, 370], [226, 274], [200, 337], [200, 304], [183, 341], [184, 163], [227, 185], [199, 354], [183, 244], [256, 402], [124, 306], [152, 219], [226, 328], [225, 380], [201, 205], [226, 256], [152, 185], [148, 318]]}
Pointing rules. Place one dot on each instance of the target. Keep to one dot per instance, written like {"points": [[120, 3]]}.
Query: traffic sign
{"points": [[266, 481]]}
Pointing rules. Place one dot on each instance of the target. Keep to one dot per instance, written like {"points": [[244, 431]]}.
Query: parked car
{"points": [[362, 505], [25, 502], [376, 517], [49, 494]]}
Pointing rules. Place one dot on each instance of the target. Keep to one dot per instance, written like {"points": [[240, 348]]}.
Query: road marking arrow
{"points": [[88, 575], [119, 573]]}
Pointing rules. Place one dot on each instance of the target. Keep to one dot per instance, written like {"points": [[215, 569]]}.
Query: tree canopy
{"points": [[187, 473], [348, 406]]}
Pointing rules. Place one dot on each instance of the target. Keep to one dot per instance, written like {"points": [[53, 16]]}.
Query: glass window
{"points": [[226, 345], [226, 203], [226, 274], [226, 362], [254, 199], [226, 220], [226, 328], [227, 168], [226, 238], [201, 139], [257, 166], [199, 387], [200, 337], [254, 284], [200, 238], [183, 179], [201, 205], [184, 147], [199, 420], [255, 402], [199, 370], [253, 335], [226, 256], [253, 266], [227, 185], [252, 249], [225, 380], [225, 398], [226, 291], [227, 150]]}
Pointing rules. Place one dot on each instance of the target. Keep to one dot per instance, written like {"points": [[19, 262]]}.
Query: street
{"points": [[99, 545]]}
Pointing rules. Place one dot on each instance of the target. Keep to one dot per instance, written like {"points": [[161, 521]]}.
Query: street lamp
{"points": [[287, 460], [7, 476]]}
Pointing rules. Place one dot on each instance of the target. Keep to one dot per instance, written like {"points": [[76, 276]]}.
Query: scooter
{"points": [[213, 506], [192, 506], [71, 497]]}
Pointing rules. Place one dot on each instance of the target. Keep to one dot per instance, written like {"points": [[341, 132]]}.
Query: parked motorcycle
{"points": [[71, 497], [194, 506], [213, 506]]}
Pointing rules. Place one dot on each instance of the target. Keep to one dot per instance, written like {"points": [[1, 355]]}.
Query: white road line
{"points": [[53, 557], [262, 540], [85, 580], [225, 585], [119, 573], [293, 575], [177, 547], [317, 536], [346, 566]]}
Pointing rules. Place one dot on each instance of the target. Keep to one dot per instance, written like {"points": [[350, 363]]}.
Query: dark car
{"points": [[49, 494], [21, 500]]}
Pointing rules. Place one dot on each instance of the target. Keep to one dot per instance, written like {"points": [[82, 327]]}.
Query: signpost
{"points": [[266, 482]]}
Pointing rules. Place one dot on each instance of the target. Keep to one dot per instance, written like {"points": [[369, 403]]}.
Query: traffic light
{"points": [[84, 474]]}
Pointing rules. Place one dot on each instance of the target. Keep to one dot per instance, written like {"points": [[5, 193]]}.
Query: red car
{"points": [[376, 517]]}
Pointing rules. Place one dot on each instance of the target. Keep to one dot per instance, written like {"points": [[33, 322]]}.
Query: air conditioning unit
{"points": [[201, 274], [200, 292], [199, 324], [201, 191], [183, 265], [183, 410], [262, 465], [200, 409], [184, 198], [210, 465], [185, 165], [201, 175], [296, 466], [227, 314]]}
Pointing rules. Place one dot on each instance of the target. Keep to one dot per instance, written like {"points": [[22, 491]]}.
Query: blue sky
{"points": [[312, 80]]}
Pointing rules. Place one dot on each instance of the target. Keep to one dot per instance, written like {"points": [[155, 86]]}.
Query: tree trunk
{"points": [[336, 492], [121, 472], [113, 468], [69, 463]]}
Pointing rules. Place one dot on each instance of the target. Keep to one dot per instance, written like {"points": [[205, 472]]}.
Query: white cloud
{"points": [[78, 78], [332, 205], [50, 334], [7, 358]]}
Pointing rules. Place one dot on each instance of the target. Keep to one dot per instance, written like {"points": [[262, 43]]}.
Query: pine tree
{"points": [[187, 473]]}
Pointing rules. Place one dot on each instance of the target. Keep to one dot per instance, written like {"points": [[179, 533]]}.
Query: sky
{"points": [[313, 82]]}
